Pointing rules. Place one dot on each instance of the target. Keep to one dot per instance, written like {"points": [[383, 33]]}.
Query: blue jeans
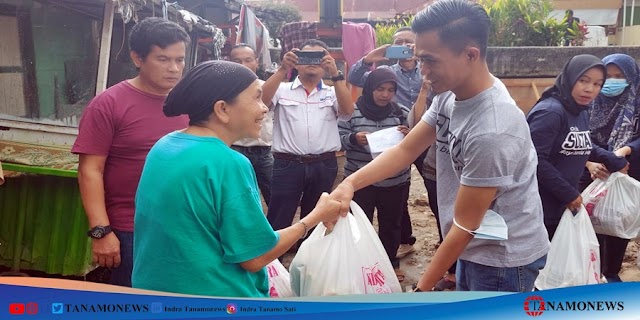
{"points": [[293, 180], [121, 276], [471, 276], [262, 161]]}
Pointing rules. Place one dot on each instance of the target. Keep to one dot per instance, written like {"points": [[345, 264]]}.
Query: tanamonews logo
{"points": [[535, 306]]}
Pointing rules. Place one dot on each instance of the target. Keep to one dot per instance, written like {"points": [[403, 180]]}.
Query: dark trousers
{"points": [[612, 250], [432, 193], [292, 181], [551, 229], [406, 236], [262, 162], [121, 275], [389, 202]]}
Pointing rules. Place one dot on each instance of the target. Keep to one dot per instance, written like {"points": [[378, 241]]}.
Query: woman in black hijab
{"points": [[375, 110], [199, 224], [559, 125]]}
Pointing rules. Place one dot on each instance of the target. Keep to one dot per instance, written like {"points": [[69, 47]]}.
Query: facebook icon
{"points": [[156, 307]]}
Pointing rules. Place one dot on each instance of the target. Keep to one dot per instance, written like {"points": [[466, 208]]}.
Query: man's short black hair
{"points": [[314, 43], [569, 12], [244, 45], [155, 32], [457, 22]]}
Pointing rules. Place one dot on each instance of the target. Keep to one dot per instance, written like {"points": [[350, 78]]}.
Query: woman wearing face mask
{"points": [[199, 224], [559, 125], [375, 110], [614, 123]]}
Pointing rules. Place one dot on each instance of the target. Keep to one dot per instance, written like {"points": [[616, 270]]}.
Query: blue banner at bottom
{"points": [[606, 301]]}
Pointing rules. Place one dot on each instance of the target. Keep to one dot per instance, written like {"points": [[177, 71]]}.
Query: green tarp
{"points": [[42, 222]]}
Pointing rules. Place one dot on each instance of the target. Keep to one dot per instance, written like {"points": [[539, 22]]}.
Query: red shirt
{"points": [[123, 123]]}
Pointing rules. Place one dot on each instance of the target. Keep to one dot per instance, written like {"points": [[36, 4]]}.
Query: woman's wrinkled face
{"points": [[247, 111], [384, 94], [586, 89]]}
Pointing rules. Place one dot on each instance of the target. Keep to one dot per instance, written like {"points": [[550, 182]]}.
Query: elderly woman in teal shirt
{"points": [[199, 224]]}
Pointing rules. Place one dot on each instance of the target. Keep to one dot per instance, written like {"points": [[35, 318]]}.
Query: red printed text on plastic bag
{"points": [[374, 280], [273, 272], [593, 259], [591, 205]]}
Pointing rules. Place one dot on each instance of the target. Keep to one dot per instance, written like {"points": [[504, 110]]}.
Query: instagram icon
{"points": [[232, 308]]}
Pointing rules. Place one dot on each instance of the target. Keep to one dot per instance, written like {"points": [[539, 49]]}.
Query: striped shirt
{"points": [[358, 156]]}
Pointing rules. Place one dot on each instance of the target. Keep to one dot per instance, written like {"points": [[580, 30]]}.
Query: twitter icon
{"points": [[57, 308]]}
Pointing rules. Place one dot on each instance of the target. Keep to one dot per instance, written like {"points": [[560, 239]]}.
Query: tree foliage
{"points": [[528, 23], [386, 30], [276, 15]]}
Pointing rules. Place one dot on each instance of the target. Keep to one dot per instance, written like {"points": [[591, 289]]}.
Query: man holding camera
{"points": [[409, 88], [409, 77], [305, 131]]}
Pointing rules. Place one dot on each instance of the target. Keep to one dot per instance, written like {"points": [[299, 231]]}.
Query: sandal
{"points": [[445, 284], [399, 274]]}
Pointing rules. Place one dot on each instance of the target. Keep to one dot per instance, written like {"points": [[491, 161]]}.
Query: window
{"points": [[50, 56], [636, 16], [48, 67]]}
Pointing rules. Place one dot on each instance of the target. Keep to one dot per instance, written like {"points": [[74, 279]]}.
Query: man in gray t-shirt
{"points": [[484, 141], [485, 157]]}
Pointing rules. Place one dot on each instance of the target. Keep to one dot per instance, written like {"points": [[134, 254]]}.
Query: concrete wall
{"points": [[543, 62], [587, 4]]}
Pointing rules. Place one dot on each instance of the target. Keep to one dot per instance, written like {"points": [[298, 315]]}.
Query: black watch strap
{"points": [[339, 77], [98, 232]]}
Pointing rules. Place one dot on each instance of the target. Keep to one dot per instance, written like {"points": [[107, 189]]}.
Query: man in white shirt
{"points": [[305, 133], [258, 151]]}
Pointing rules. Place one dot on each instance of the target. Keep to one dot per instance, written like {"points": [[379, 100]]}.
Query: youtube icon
{"points": [[16, 308]]}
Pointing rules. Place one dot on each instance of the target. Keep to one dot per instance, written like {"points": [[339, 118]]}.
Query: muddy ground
{"points": [[425, 230]]}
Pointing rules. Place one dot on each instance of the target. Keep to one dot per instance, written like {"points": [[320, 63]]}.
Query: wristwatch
{"points": [[339, 77], [99, 232]]}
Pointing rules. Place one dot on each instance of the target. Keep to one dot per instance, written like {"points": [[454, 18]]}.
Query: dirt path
{"points": [[425, 230]]}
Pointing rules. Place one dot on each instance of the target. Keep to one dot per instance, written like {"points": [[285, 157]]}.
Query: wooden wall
{"points": [[11, 69]]}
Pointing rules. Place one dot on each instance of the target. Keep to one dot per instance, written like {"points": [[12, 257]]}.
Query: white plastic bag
{"points": [[349, 260], [593, 194], [279, 281], [574, 257], [617, 209]]}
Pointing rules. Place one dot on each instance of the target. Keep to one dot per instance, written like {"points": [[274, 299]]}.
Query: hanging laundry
{"points": [[358, 39], [254, 33]]}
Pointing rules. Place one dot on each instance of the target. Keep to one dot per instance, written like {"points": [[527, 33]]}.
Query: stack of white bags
{"points": [[348, 260]]}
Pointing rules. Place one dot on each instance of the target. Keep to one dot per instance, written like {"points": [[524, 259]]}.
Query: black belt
{"points": [[254, 149], [305, 158]]}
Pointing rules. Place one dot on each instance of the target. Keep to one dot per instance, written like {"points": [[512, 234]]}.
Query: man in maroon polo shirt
{"points": [[117, 130]]}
